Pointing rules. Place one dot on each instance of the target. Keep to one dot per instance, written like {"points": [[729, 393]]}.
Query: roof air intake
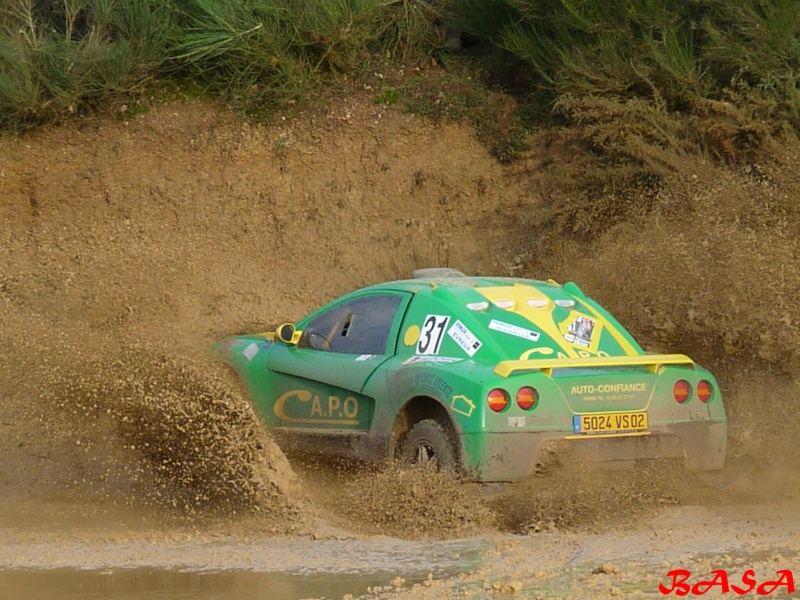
{"points": [[436, 273]]}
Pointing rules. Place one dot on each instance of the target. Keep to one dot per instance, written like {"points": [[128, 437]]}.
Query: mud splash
{"points": [[193, 441], [137, 426], [570, 498], [414, 504], [128, 248]]}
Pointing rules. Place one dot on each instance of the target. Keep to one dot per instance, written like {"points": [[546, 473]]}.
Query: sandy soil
{"points": [[129, 245]]}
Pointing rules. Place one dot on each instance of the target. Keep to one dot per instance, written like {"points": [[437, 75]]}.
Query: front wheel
{"points": [[428, 444]]}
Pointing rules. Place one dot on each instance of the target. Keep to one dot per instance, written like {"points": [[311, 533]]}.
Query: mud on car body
{"points": [[480, 374]]}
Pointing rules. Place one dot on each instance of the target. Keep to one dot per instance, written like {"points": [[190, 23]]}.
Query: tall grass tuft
{"points": [[411, 28], [754, 46], [267, 51], [672, 51], [619, 47], [268, 48], [57, 56]]}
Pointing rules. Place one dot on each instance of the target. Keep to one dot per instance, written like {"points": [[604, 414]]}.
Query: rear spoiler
{"points": [[653, 362]]}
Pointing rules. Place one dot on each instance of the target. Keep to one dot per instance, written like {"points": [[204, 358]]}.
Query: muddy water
{"points": [[274, 568], [144, 557], [374, 558], [141, 584], [389, 568]]}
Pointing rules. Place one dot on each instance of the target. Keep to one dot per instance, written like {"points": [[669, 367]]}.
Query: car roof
{"points": [[424, 285], [513, 306]]}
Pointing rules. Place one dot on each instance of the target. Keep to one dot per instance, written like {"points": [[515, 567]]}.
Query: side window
{"points": [[360, 326]]}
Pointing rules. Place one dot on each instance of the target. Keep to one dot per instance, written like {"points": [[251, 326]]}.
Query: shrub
{"points": [[268, 51], [674, 50], [55, 57]]}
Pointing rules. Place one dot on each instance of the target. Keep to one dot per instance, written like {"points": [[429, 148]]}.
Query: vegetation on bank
{"points": [[647, 82], [57, 56], [642, 87], [560, 55], [644, 83]]}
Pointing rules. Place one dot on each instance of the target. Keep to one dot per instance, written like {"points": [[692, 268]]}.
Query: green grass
{"points": [[60, 56], [672, 49], [387, 96], [57, 57]]}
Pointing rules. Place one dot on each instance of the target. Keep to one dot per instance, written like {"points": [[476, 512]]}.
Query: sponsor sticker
{"points": [[462, 405], [510, 329], [250, 351], [301, 408], [516, 422], [364, 357], [465, 338], [580, 331]]}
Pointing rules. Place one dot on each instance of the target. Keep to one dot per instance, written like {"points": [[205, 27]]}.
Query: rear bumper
{"points": [[510, 456]]}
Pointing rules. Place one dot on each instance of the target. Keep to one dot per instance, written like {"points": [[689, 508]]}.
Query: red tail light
{"points": [[497, 399], [526, 397], [682, 391], [705, 391]]}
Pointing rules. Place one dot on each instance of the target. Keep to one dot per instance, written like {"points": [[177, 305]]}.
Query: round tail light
{"points": [[682, 391], [526, 397], [705, 391], [497, 399]]}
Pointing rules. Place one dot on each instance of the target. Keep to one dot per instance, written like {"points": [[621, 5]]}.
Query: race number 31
{"points": [[430, 338]]}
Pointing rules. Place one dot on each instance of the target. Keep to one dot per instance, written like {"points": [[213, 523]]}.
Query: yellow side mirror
{"points": [[286, 333]]}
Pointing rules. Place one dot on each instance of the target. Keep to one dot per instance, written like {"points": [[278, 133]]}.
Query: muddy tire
{"points": [[428, 444]]}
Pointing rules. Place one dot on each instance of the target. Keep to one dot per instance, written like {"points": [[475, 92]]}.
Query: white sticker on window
{"points": [[430, 337], [464, 338], [250, 351], [514, 330], [364, 357]]}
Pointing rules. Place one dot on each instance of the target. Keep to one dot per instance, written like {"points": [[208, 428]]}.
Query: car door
{"points": [[319, 381]]}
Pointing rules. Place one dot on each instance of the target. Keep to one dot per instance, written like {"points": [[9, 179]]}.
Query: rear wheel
{"points": [[428, 444]]}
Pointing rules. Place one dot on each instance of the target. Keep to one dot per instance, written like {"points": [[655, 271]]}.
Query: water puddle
{"points": [[297, 569], [150, 584]]}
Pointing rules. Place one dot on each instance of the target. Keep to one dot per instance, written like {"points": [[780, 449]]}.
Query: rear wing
{"points": [[653, 362]]}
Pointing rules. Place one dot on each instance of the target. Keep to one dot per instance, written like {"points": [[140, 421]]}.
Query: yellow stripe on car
{"points": [[541, 317]]}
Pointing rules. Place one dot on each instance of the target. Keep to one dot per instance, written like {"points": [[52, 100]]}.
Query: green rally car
{"points": [[481, 375]]}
